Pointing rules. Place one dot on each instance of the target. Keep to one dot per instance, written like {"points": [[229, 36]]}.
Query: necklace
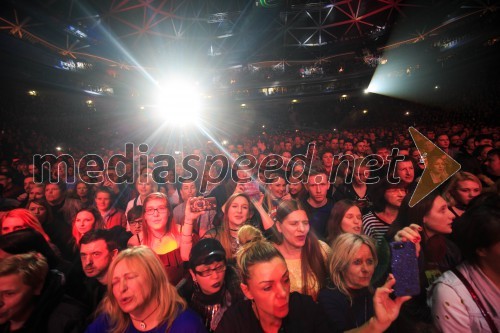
{"points": [[159, 238], [142, 323]]}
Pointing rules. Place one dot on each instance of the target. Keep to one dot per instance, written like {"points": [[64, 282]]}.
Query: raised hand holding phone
{"points": [[404, 267]]}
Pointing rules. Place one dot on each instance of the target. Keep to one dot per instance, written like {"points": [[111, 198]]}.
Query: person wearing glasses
{"points": [[213, 285], [161, 235], [134, 218]]}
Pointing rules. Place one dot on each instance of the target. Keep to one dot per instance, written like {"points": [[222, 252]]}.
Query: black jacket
{"points": [[54, 312]]}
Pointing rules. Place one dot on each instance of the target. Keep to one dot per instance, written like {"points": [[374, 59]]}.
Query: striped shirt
{"points": [[374, 227]]}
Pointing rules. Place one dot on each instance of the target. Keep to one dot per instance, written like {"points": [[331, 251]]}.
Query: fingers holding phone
{"points": [[404, 267]]}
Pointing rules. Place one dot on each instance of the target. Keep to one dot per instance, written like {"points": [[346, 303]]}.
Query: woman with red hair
{"points": [[18, 219]]}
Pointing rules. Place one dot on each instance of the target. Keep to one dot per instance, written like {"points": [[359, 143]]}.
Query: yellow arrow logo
{"points": [[439, 167]]}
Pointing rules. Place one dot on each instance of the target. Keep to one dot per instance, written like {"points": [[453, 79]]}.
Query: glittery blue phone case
{"points": [[404, 266]]}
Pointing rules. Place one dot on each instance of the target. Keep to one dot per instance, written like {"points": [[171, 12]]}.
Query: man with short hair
{"points": [[361, 149], [443, 142], [187, 190], [465, 156], [483, 139], [32, 297], [97, 251], [62, 207], [348, 146], [10, 190], [335, 146], [491, 179], [63, 211], [317, 205], [405, 172]]}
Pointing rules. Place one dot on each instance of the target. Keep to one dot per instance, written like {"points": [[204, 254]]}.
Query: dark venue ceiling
{"points": [[113, 37], [147, 32]]}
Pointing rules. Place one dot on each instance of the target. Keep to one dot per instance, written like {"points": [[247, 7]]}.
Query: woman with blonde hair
{"points": [[272, 308], [347, 301], [140, 298], [276, 192], [463, 187]]}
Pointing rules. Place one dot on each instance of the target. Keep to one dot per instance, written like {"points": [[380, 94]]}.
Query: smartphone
{"points": [[404, 266], [203, 204], [252, 190]]}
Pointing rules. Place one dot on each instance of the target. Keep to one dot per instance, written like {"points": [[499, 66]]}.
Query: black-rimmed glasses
{"points": [[208, 272], [134, 222]]}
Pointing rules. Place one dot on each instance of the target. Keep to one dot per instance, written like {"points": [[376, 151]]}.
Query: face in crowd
{"points": [[360, 270], [210, 278], [269, 288], [439, 219], [317, 186], [351, 222], [96, 259], [294, 228]]}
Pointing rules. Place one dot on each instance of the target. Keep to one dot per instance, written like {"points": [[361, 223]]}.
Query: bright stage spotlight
{"points": [[178, 102]]}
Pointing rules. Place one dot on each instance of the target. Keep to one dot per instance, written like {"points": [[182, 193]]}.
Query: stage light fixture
{"points": [[178, 102]]}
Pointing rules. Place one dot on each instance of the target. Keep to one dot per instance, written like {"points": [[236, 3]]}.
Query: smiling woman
{"points": [[159, 234]]}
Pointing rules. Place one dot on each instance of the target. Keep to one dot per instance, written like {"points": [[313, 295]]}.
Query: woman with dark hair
{"points": [[140, 298], [84, 193], [271, 308], [86, 219], [58, 231], [238, 211], [296, 187], [387, 199], [304, 254], [428, 222], [344, 217], [355, 186], [467, 298], [213, 285]]}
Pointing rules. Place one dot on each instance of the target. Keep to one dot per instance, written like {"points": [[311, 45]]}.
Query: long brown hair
{"points": [[98, 223], [334, 224], [224, 232], [312, 261]]}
